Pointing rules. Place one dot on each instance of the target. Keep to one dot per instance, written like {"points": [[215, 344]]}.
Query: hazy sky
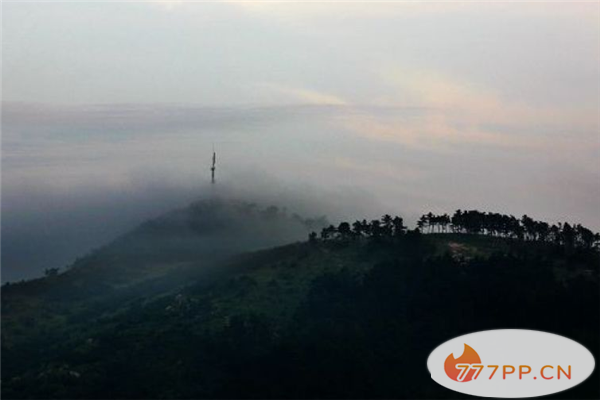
{"points": [[396, 107]]}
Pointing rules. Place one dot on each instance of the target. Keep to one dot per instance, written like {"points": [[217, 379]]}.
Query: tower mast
{"points": [[212, 169]]}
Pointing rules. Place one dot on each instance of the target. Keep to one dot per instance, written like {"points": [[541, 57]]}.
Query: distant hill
{"points": [[346, 317], [191, 239]]}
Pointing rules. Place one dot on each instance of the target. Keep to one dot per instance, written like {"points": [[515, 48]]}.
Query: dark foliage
{"points": [[472, 222], [339, 331]]}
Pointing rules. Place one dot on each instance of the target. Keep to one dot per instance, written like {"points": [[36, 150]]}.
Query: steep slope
{"points": [[341, 319]]}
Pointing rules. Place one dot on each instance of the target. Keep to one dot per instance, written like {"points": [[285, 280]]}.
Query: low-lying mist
{"points": [[74, 178], [44, 228]]}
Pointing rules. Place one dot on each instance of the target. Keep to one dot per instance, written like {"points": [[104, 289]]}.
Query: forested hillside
{"points": [[343, 315]]}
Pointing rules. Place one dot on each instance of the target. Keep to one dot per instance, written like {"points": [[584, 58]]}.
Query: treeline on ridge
{"points": [[476, 222]]}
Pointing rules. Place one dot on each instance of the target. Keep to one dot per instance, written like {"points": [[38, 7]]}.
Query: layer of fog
{"points": [[74, 178], [42, 228]]}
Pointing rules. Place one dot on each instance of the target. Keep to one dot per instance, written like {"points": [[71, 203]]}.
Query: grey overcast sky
{"points": [[396, 107]]}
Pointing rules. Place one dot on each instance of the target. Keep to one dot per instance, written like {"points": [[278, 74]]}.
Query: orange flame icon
{"points": [[469, 356]]}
